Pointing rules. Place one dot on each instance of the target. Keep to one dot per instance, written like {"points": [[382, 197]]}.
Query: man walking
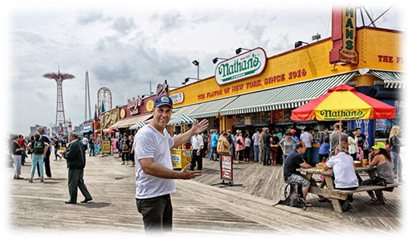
{"points": [[153, 166], [75, 156], [196, 147], [45, 139], [255, 140]]}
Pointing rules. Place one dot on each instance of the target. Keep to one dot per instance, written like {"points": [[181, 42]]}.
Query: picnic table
{"points": [[336, 195]]}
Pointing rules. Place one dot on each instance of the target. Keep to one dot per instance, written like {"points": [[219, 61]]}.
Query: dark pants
{"points": [[46, 164], [156, 213], [307, 155], [196, 159], [75, 180], [266, 155], [92, 151], [124, 156]]}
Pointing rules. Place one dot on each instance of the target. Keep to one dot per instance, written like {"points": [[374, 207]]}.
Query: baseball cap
{"points": [[379, 145], [292, 131], [163, 100]]}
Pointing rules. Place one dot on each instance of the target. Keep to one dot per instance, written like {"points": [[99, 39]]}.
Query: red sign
{"points": [[344, 36], [226, 167]]}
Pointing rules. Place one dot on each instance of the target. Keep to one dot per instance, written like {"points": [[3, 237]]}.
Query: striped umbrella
{"points": [[179, 119], [137, 125], [343, 103]]}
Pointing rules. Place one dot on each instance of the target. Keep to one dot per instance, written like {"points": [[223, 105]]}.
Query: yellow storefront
{"points": [[289, 80]]}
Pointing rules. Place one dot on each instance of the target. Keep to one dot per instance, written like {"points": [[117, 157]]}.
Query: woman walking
{"points": [[39, 151], [16, 151], [131, 155], [240, 146], [395, 145], [56, 144]]}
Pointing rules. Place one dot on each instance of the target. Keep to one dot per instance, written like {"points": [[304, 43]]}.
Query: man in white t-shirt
{"points": [[153, 166], [344, 173], [307, 138], [196, 148]]}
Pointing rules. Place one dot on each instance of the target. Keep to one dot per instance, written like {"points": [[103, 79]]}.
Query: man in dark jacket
{"points": [[75, 156]]}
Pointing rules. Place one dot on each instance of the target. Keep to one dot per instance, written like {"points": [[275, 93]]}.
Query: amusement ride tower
{"points": [[60, 115]]}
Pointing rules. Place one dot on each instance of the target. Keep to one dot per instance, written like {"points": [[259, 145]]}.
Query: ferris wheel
{"points": [[104, 99]]}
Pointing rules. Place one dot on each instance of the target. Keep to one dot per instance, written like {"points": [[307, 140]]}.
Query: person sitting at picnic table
{"points": [[384, 169], [293, 162], [344, 173]]}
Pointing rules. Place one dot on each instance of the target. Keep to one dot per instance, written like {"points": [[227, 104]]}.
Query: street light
{"points": [[216, 59], [187, 79], [300, 43], [196, 63], [239, 50]]}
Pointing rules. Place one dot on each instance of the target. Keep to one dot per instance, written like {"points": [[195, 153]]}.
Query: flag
{"points": [[96, 113]]}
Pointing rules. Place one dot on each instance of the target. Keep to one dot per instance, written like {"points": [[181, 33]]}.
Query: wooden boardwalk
{"points": [[200, 206]]}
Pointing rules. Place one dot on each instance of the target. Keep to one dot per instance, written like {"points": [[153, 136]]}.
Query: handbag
{"points": [[239, 142]]}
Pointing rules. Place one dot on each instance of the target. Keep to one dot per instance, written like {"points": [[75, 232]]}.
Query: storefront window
{"points": [[256, 118], [266, 117], [247, 119], [383, 126]]}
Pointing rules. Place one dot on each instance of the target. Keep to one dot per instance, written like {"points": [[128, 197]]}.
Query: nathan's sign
{"points": [[348, 53], [248, 64], [133, 105], [342, 114], [344, 36]]}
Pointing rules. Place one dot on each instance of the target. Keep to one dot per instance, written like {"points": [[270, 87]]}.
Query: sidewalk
{"points": [[200, 205]]}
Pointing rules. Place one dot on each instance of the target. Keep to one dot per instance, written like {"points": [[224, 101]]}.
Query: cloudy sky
{"points": [[124, 46]]}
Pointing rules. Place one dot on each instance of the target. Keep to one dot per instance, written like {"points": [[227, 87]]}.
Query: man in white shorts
{"points": [[153, 167]]}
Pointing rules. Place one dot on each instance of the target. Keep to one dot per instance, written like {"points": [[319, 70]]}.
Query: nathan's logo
{"points": [[246, 65], [341, 114]]}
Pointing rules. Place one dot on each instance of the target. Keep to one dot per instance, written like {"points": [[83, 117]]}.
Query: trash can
{"points": [[8, 160]]}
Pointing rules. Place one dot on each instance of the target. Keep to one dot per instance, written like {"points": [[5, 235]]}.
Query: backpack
{"points": [[293, 196], [38, 147]]}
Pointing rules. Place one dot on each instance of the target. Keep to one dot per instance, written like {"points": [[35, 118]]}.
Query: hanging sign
{"points": [[248, 64]]}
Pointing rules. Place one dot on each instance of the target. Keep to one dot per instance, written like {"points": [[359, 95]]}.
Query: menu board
{"points": [[256, 118], [278, 116], [237, 119], [286, 115]]}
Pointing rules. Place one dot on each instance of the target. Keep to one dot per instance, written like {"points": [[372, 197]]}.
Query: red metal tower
{"points": [[60, 115]]}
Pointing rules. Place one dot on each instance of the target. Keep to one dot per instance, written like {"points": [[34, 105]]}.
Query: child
{"points": [[324, 150]]}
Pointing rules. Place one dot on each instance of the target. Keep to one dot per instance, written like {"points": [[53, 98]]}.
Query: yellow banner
{"points": [[106, 147]]}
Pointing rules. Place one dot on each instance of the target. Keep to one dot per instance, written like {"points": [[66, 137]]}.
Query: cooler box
{"points": [[180, 157]]}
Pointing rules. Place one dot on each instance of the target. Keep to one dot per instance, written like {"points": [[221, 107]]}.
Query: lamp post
{"points": [[215, 60], [300, 43], [196, 63], [239, 50]]}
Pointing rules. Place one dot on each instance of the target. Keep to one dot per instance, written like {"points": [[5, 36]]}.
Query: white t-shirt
{"points": [[307, 138], [343, 170], [248, 142], [197, 142], [149, 143]]}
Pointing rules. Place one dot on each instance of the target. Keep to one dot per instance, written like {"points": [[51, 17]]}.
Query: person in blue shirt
{"points": [[214, 144], [324, 150]]}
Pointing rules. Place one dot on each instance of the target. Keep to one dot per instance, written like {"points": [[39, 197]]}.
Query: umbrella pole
{"points": [[340, 132]]}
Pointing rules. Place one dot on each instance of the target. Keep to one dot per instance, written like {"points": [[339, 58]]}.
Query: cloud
{"points": [[168, 21], [91, 17], [123, 25]]}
